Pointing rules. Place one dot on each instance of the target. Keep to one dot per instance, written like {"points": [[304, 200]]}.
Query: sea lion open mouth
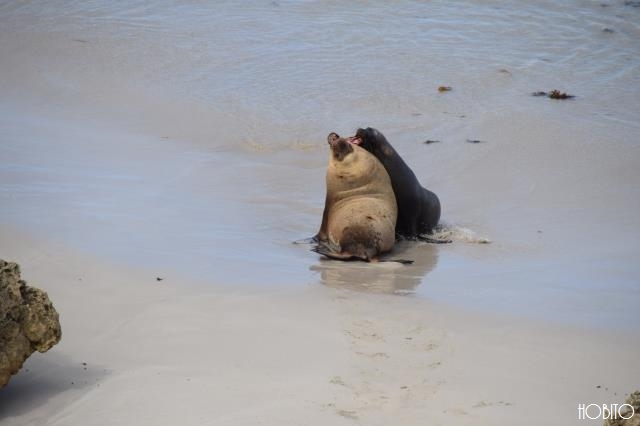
{"points": [[356, 140]]}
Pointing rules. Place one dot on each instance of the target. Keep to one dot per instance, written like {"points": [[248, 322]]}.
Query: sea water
{"points": [[189, 138]]}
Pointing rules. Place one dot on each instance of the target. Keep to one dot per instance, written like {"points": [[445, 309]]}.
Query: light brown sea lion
{"points": [[360, 208]]}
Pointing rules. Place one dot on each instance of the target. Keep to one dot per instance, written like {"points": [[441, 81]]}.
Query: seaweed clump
{"points": [[554, 94]]}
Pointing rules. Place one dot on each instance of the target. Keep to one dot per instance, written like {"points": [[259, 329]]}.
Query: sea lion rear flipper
{"points": [[433, 239], [402, 261], [332, 251]]}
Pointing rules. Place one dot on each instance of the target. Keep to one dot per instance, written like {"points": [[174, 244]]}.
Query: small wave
{"points": [[252, 145], [451, 233]]}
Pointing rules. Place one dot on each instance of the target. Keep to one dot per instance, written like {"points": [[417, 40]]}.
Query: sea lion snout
{"points": [[333, 138], [340, 147]]}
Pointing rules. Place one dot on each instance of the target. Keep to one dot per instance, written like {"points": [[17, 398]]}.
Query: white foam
{"points": [[452, 233]]}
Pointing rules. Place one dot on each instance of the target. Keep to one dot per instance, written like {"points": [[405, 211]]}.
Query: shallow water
{"points": [[189, 138]]}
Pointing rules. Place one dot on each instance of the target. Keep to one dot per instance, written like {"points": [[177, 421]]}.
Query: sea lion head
{"points": [[373, 141], [340, 147]]}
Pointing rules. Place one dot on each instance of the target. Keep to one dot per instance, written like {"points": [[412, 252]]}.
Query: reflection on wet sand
{"points": [[384, 277]]}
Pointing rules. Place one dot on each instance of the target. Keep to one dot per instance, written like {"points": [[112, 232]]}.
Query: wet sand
{"points": [[138, 350]]}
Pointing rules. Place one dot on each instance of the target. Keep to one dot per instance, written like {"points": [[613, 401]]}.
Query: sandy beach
{"points": [[158, 161], [139, 351]]}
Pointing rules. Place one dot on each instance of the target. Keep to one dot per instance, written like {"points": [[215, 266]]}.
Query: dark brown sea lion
{"points": [[360, 209], [418, 208]]}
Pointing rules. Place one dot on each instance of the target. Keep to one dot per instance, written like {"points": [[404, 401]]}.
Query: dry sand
{"points": [[140, 351]]}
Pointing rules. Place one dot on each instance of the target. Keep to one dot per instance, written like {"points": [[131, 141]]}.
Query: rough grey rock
{"points": [[28, 321], [634, 401]]}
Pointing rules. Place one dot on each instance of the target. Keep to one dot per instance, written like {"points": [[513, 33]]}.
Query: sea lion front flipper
{"points": [[322, 232], [310, 240]]}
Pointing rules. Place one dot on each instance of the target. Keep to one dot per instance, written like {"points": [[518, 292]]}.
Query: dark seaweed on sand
{"points": [[554, 94]]}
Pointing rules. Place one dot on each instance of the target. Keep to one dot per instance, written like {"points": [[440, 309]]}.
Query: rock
{"points": [[625, 411], [28, 321]]}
